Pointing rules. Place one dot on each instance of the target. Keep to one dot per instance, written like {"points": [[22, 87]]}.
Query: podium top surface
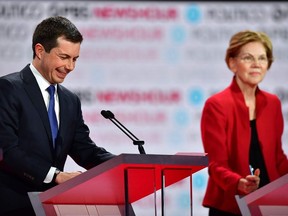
{"points": [[271, 199], [274, 193], [141, 173]]}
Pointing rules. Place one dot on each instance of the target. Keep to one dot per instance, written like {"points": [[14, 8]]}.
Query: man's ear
{"points": [[39, 50]]}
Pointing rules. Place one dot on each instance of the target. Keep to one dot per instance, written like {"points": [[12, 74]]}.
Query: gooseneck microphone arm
{"points": [[109, 115]]}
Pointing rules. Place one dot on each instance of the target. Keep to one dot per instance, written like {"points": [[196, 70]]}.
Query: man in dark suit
{"points": [[32, 159]]}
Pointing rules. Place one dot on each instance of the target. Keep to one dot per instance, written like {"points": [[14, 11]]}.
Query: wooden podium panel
{"points": [[125, 178], [272, 199]]}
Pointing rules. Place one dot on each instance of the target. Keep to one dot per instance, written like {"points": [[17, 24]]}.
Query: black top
{"points": [[256, 157]]}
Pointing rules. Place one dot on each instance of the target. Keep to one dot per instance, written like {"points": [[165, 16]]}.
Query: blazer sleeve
{"points": [[18, 159], [214, 137]]}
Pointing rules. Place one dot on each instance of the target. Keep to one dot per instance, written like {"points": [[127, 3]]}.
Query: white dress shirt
{"points": [[43, 85]]}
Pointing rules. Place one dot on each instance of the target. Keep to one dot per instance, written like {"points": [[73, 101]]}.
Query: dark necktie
{"points": [[52, 114]]}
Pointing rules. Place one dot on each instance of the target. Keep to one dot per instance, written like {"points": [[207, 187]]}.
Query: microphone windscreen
{"points": [[110, 114], [105, 114]]}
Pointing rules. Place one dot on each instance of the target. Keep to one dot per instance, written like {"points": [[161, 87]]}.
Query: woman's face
{"points": [[251, 65]]}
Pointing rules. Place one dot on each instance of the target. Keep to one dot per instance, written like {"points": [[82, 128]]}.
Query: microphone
{"points": [[109, 115]]}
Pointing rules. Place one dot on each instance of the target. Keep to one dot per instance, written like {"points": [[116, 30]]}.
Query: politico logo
{"points": [[280, 13], [19, 10]]}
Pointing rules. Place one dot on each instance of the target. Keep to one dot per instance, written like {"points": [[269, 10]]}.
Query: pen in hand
{"points": [[251, 170], [251, 182]]}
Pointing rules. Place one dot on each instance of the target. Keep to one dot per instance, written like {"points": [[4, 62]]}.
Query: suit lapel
{"points": [[35, 95]]}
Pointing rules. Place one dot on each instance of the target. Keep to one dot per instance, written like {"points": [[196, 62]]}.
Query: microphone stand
{"points": [[109, 115]]}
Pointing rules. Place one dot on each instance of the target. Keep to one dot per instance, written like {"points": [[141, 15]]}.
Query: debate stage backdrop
{"points": [[153, 64]]}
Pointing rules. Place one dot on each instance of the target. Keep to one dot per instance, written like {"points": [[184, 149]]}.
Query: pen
{"points": [[251, 170]]}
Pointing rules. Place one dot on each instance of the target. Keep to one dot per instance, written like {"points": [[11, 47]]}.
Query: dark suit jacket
{"points": [[25, 138]]}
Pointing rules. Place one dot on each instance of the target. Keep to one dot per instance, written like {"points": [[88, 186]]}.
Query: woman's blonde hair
{"points": [[243, 37]]}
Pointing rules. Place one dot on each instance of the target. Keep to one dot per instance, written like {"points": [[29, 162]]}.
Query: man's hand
{"points": [[64, 176]]}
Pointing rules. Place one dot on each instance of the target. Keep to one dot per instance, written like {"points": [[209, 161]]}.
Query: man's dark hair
{"points": [[49, 30]]}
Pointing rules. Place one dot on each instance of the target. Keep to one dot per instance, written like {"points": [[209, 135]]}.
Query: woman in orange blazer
{"points": [[242, 127]]}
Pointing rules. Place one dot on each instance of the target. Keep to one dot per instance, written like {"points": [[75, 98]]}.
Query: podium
{"points": [[271, 199], [117, 183]]}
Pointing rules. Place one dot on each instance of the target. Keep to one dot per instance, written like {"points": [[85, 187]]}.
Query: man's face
{"points": [[54, 66]]}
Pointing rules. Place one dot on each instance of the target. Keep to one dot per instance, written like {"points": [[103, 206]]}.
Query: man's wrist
{"points": [[57, 171]]}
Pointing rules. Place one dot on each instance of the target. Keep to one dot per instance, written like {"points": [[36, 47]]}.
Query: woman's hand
{"points": [[250, 183]]}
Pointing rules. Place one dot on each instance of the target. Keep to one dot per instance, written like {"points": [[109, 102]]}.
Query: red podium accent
{"points": [[272, 199], [121, 181]]}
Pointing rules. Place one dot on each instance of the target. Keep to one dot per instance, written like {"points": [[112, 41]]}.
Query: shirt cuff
{"points": [[50, 175]]}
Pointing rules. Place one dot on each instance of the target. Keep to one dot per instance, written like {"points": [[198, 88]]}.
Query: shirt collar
{"points": [[42, 82]]}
